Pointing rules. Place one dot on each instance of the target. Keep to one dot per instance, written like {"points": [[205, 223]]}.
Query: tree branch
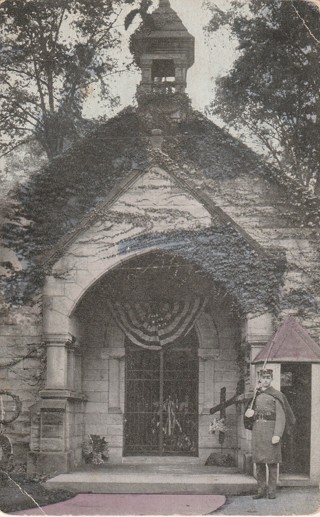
{"points": [[304, 23]]}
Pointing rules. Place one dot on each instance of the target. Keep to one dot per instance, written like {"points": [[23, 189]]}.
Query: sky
{"points": [[214, 56]]}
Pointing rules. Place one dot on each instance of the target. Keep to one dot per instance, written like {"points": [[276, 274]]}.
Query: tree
{"points": [[50, 53], [272, 93]]}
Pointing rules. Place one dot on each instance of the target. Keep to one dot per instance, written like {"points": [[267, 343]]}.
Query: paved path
{"points": [[132, 504], [290, 501]]}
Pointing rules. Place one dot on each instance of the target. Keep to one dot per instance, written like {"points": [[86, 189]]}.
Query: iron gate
{"points": [[161, 415]]}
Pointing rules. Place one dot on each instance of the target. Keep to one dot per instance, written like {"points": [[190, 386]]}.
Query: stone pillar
{"points": [[71, 347], [207, 357], [78, 369], [146, 80], [116, 356], [57, 362], [58, 440], [180, 76], [315, 425]]}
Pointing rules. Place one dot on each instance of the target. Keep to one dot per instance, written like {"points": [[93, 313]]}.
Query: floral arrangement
{"points": [[218, 425], [95, 449]]}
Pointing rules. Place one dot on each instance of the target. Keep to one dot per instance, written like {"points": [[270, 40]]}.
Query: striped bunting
{"points": [[153, 325]]}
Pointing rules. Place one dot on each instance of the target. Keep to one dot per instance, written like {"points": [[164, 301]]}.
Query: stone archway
{"points": [[103, 358], [90, 398]]}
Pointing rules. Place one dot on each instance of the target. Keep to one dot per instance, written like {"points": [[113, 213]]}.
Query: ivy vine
{"points": [[226, 257]]}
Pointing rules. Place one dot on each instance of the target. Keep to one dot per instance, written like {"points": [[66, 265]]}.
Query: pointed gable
{"points": [[291, 343]]}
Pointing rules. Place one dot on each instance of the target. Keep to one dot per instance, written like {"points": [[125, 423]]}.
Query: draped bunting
{"points": [[155, 324]]}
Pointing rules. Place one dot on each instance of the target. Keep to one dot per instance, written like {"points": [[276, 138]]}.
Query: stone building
{"points": [[155, 260]]}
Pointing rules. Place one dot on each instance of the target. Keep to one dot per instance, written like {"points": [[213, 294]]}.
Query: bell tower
{"points": [[164, 50]]}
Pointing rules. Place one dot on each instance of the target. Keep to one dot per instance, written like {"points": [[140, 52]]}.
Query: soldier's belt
{"points": [[261, 416]]}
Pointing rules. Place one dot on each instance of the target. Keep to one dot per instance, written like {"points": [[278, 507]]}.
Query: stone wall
{"points": [[264, 211], [22, 370]]}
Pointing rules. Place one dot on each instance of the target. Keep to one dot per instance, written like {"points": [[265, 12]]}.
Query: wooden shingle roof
{"points": [[291, 343]]}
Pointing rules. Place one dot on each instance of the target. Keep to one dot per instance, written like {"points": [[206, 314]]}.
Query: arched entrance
{"points": [[199, 358], [156, 300], [149, 398], [161, 399]]}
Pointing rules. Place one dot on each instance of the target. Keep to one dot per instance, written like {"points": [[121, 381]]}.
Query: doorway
{"points": [[161, 402], [296, 386]]}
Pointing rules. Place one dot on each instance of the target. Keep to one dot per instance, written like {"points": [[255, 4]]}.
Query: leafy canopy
{"points": [[272, 93], [51, 52]]}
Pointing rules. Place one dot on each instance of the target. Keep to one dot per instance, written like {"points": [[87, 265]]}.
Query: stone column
{"points": [[207, 357], [71, 346], [146, 80], [57, 362], [116, 355], [58, 438], [78, 369], [180, 75]]}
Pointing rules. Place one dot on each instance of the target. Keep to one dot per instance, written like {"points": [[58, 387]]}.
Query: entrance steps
{"points": [[295, 480], [156, 479], [161, 460]]}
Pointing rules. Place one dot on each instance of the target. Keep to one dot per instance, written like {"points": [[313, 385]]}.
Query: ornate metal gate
{"points": [[161, 416]]}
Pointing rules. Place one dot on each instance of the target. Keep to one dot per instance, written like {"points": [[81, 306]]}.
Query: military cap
{"points": [[266, 371]]}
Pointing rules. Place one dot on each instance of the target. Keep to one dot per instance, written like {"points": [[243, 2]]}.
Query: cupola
{"points": [[164, 50]]}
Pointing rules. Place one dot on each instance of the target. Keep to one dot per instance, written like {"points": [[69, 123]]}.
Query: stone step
{"points": [[160, 478], [161, 460], [157, 480], [295, 480]]}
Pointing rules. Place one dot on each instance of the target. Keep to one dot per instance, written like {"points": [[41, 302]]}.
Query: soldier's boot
{"points": [[272, 486], [261, 480]]}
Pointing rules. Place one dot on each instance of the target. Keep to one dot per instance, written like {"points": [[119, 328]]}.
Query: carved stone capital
{"points": [[62, 340], [71, 344]]}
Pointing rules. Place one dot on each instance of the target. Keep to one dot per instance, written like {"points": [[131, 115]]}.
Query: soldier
{"points": [[268, 417]]}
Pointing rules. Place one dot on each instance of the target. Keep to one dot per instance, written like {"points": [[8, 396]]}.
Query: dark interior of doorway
{"points": [[161, 402], [296, 385]]}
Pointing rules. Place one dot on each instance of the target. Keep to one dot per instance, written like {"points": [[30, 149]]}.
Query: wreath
{"points": [[17, 408]]}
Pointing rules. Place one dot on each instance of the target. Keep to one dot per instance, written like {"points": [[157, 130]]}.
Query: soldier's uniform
{"points": [[269, 421], [271, 415]]}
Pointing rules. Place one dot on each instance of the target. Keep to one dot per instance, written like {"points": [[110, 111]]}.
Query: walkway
{"points": [[128, 504], [290, 501]]}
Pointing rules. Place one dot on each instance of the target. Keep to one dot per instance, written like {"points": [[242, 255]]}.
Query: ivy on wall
{"points": [[53, 202], [225, 256]]}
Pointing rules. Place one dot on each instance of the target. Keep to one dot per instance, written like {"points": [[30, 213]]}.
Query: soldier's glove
{"points": [[275, 440], [249, 413]]}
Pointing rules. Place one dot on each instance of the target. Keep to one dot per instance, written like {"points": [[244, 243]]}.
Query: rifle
{"points": [[231, 401]]}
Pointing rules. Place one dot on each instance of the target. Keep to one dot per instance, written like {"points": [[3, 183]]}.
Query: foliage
{"points": [[272, 93], [218, 425], [50, 205], [141, 11], [95, 449], [252, 279], [52, 52], [218, 459]]}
